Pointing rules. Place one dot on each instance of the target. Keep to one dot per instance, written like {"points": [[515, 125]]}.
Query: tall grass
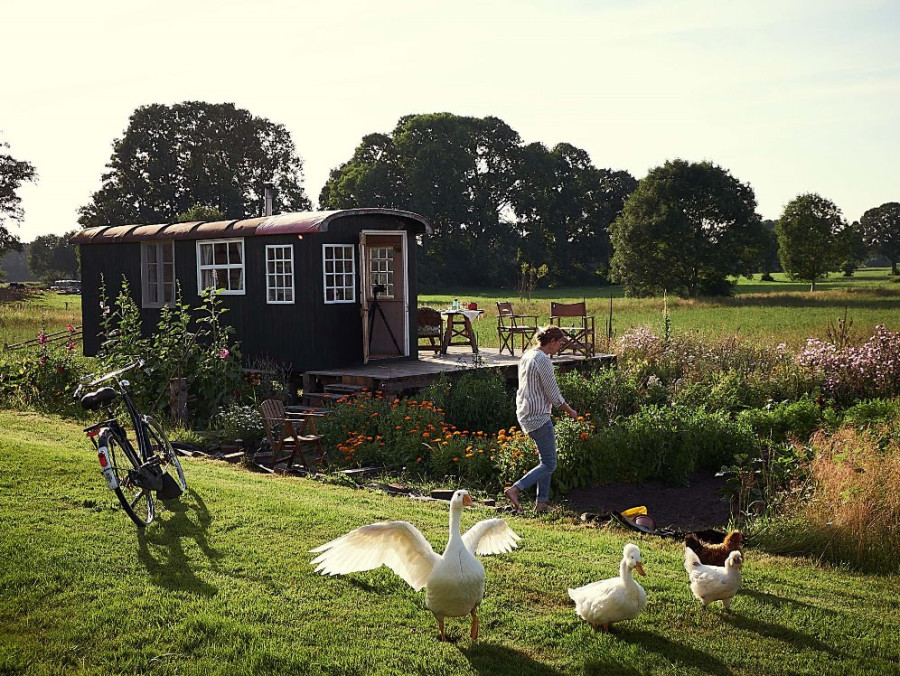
{"points": [[850, 515]]}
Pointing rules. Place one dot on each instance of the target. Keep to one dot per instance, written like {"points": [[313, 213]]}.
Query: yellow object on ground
{"points": [[634, 511]]}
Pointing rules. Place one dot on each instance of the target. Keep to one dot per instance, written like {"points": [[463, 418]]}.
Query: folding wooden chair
{"points": [[578, 326], [291, 433], [510, 325]]}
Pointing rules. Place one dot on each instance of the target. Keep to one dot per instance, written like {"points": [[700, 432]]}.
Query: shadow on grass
{"points": [[494, 659], [684, 657], [781, 633], [160, 544]]}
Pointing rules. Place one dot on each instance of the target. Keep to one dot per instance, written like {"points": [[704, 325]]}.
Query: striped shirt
{"points": [[538, 392]]}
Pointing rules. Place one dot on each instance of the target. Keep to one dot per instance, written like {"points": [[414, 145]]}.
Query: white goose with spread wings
{"points": [[453, 581]]}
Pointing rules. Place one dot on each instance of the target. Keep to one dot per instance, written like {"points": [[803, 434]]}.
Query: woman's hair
{"points": [[547, 333]]}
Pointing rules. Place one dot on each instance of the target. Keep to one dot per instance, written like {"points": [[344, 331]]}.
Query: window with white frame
{"points": [[339, 271], [158, 273], [279, 273], [221, 265], [381, 270]]}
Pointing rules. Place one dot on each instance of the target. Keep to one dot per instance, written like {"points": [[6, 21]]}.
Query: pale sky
{"points": [[789, 96]]}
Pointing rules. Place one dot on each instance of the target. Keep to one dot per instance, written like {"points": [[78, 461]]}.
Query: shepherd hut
{"points": [[316, 290]]}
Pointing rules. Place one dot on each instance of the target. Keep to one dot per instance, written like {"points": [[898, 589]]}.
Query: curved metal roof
{"points": [[300, 223]]}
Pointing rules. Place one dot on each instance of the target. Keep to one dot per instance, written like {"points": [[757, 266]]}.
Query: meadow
{"points": [[221, 583]]}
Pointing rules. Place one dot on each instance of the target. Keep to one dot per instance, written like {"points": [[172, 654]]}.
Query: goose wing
{"points": [[491, 536], [396, 544]]}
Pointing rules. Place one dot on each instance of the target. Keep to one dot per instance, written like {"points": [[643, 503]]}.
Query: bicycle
{"points": [[133, 475]]}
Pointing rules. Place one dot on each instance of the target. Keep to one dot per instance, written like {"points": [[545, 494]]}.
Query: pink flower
{"points": [[223, 353], [42, 338], [70, 328]]}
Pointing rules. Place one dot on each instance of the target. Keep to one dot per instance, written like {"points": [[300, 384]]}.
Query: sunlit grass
{"points": [[762, 312], [222, 584]]}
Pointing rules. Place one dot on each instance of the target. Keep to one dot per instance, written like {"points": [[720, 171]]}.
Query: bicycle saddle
{"points": [[94, 400]]}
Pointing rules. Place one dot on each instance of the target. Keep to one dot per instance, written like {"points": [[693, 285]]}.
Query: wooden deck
{"points": [[407, 375]]}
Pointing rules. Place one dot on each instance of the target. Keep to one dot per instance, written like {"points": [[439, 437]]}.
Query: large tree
{"points": [[13, 173], [52, 257], [564, 206], [172, 158], [685, 229], [457, 171], [812, 238], [880, 232]]}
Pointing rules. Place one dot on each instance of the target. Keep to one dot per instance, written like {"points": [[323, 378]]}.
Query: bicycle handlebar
{"points": [[115, 374]]}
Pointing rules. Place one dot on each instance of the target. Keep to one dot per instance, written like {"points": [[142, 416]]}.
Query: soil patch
{"points": [[697, 506]]}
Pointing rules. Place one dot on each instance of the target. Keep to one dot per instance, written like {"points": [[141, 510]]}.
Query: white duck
{"points": [[616, 599], [454, 581], [714, 583]]}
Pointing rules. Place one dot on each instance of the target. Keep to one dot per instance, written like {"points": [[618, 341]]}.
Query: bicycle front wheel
{"points": [[136, 501], [160, 446]]}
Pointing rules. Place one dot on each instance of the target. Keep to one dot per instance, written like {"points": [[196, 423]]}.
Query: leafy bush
{"points": [[206, 357], [42, 378], [476, 400], [665, 443], [606, 393], [785, 420]]}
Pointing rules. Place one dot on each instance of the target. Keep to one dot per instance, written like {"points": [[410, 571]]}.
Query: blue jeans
{"points": [[545, 438]]}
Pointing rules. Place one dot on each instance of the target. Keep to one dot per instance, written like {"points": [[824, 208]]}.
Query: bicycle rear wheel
{"points": [[136, 501], [160, 446]]}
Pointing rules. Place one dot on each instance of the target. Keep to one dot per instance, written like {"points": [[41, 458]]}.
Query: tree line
{"points": [[501, 209]]}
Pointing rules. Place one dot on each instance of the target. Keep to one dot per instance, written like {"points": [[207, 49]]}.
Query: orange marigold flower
{"points": [[584, 435], [455, 459], [469, 455], [426, 434]]}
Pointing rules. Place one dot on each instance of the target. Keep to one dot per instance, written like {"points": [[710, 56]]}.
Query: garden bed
{"points": [[697, 506]]}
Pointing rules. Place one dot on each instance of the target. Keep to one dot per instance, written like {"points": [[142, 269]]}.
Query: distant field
{"points": [[24, 317], [764, 312]]}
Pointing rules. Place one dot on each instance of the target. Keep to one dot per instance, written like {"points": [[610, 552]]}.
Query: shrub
{"points": [[477, 399], [784, 420], [606, 393], [43, 378]]}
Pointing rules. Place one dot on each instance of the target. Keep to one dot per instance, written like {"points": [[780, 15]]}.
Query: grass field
{"points": [[767, 312], [764, 312], [222, 584]]}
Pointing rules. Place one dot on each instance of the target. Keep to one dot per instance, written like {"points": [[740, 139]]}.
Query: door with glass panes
{"points": [[384, 295]]}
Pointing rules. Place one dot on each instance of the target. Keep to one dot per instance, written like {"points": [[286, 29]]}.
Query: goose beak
{"points": [[467, 500], [640, 569]]}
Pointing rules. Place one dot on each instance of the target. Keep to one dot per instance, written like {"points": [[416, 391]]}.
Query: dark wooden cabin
{"points": [[300, 288]]}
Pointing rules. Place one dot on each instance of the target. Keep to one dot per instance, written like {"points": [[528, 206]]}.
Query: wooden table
{"points": [[458, 328]]}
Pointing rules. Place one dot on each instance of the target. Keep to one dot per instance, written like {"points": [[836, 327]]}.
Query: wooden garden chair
{"points": [[510, 325], [429, 329], [578, 326], [290, 434]]}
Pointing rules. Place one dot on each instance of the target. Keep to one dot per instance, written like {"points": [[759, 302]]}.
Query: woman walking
{"points": [[537, 395]]}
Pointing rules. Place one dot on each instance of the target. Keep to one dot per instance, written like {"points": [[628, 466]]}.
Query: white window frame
{"points": [[227, 267], [159, 285], [381, 270], [347, 288], [280, 280]]}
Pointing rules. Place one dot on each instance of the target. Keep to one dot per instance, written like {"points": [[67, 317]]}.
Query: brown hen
{"points": [[715, 555]]}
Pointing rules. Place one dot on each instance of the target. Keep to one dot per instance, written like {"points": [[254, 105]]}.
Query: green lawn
{"points": [[764, 312], [222, 584]]}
